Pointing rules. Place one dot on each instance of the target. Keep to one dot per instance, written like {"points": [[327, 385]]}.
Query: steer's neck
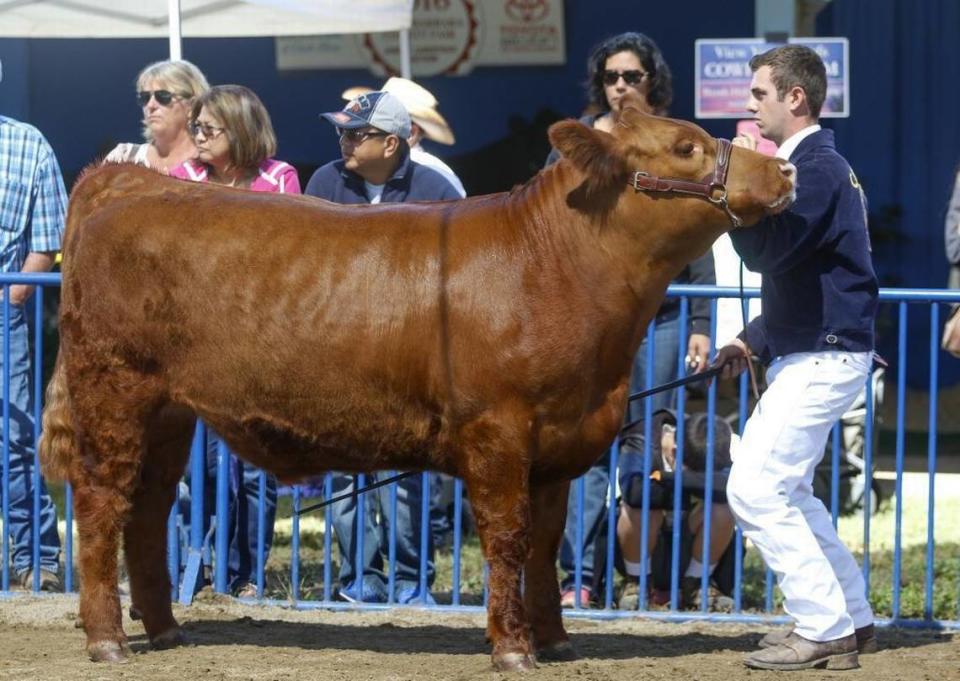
{"points": [[606, 281], [621, 256]]}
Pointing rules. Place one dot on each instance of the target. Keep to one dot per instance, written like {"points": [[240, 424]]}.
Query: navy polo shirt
{"points": [[409, 182]]}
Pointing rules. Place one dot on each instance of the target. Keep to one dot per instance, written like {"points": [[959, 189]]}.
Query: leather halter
{"points": [[713, 187]]}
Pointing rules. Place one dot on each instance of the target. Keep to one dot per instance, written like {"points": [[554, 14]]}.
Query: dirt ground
{"points": [[234, 641]]}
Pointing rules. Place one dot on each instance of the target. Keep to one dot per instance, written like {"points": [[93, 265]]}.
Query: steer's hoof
{"points": [[109, 651], [171, 638], [513, 662], [557, 652]]}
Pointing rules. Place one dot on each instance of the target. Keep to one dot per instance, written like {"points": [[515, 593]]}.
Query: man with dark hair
{"points": [[697, 431], [376, 168], [663, 464], [793, 66], [376, 165], [819, 294]]}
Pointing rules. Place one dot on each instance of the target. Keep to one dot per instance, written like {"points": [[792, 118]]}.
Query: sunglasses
{"points": [[209, 131], [163, 97], [357, 136], [631, 77]]}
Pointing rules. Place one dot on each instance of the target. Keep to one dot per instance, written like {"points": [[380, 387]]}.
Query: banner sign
{"points": [[723, 74], [447, 36]]}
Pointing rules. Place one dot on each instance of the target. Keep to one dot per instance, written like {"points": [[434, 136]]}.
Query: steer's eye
{"points": [[685, 148]]}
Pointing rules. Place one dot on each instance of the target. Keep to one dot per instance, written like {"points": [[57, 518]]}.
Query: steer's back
{"points": [[287, 317]]}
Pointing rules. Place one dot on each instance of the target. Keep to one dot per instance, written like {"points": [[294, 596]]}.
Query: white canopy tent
{"points": [[204, 18]]}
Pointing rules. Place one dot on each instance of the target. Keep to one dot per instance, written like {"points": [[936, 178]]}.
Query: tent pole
{"points": [[176, 49], [405, 69]]}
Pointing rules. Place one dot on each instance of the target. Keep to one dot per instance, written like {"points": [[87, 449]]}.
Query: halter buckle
{"points": [[639, 186]]}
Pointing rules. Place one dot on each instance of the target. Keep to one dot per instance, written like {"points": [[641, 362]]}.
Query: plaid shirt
{"points": [[33, 200]]}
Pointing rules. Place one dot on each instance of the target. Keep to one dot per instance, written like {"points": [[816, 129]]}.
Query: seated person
{"points": [[663, 460]]}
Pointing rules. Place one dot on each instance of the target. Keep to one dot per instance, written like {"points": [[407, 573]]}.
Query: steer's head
{"points": [[650, 166]]}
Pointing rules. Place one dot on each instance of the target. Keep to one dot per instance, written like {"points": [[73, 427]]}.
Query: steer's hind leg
{"points": [[109, 408], [541, 592], [145, 534], [499, 496], [111, 404]]}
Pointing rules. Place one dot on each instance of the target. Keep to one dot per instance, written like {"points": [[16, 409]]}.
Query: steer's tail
{"points": [[58, 444]]}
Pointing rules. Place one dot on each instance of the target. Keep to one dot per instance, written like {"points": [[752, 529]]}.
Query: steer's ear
{"points": [[594, 152]]}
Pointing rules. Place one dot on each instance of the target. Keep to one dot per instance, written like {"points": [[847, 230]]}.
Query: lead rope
{"points": [[358, 492], [749, 353]]}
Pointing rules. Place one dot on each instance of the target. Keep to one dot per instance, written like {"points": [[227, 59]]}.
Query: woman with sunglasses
{"points": [[630, 62], [165, 93], [235, 141]]}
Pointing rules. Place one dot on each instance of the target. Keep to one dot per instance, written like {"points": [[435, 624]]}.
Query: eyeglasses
{"points": [[631, 77], [209, 131], [357, 136], [163, 97]]}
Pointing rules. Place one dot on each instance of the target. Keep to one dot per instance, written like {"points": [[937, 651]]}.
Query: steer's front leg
{"points": [[501, 504], [541, 591]]}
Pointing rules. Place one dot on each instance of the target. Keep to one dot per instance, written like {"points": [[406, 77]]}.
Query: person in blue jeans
{"points": [[22, 466], [33, 204], [374, 587], [243, 492], [625, 63]]}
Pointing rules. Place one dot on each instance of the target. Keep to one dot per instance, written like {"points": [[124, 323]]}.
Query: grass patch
{"points": [[946, 583]]}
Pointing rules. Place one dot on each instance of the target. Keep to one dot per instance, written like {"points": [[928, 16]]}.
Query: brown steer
{"points": [[489, 338]]}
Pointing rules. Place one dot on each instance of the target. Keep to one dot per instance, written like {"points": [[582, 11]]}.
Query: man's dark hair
{"points": [[695, 442], [660, 94], [796, 66]]}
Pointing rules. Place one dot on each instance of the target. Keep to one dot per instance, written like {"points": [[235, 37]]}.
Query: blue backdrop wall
{"points": [[80, 92], [901, 138]]}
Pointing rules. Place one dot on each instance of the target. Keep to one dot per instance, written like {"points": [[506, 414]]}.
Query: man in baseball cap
{"points": [[426, 123], [376, 168], [376, 165], [380, 110]]}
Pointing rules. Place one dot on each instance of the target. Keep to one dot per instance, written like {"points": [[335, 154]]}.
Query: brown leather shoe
{"points": [[797, 652], [866, 639]]}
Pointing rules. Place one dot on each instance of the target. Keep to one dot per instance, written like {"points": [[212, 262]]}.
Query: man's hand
{"points": [[733, 357], [745, 141], [19, 293], [698, 350], [36, 262]]}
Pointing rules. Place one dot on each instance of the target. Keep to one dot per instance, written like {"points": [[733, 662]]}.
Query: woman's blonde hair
{"points": [[245, 121], [181, 77]]}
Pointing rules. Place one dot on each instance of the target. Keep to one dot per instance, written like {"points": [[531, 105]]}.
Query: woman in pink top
{"points": [[235, 141]]}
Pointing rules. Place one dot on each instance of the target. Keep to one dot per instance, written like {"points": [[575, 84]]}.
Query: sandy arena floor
{"points": [[233, 641]]}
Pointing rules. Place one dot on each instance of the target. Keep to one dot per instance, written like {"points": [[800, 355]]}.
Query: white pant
{"points": [[770, 490]]}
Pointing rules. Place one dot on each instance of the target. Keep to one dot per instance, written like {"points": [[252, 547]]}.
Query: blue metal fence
{"points": [[193, 553]]}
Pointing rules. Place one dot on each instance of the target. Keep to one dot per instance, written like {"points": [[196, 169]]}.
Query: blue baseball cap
{"points": [[380, 110]]}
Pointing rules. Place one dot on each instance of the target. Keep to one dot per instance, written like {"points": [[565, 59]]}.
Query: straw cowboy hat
{"points": [[420, 104]]}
